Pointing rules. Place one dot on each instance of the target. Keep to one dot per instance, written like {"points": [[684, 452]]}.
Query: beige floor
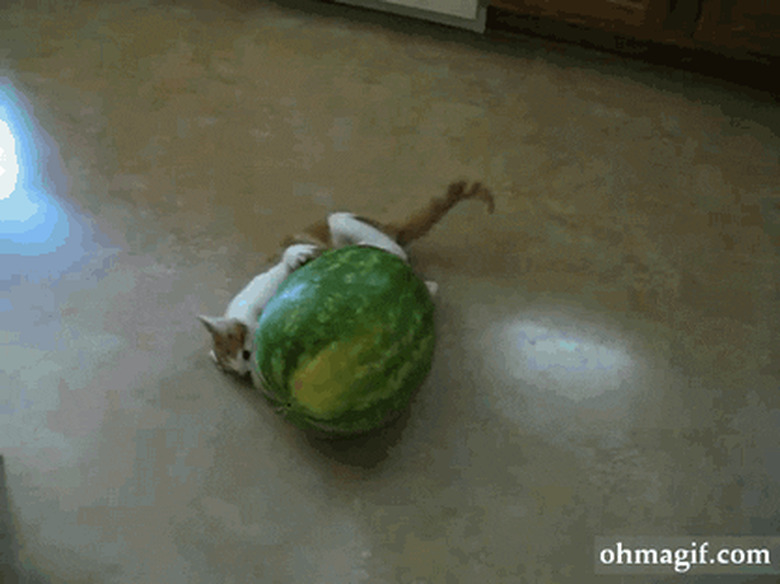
{"points": [[607, 340]]}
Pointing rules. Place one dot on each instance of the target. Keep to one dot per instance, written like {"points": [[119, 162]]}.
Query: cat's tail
{"points": [[415, 227], [421, 222]]}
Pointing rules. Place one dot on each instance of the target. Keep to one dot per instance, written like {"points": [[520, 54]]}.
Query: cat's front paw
{"points": [[297, 255], [433, 287]]}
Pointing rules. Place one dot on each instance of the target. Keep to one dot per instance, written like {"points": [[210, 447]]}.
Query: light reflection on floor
{"points": [[557, 369], [554, 367], [9, 163], [572, 359], [39, 237], [584, 366]]}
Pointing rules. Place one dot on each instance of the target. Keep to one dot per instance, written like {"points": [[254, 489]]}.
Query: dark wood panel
{"points": [[735, 28], [641, 18], [746, 25], [675, 50]]}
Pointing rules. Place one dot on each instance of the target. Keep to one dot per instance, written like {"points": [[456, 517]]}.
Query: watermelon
{"points": [[345, 341]]}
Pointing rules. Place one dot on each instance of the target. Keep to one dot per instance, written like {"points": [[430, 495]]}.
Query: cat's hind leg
{"points": [[346, 229]]}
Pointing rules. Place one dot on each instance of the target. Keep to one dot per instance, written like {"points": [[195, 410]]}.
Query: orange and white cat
{"points": [[233, 334]]}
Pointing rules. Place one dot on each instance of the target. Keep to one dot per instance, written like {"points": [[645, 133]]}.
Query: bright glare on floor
{"points": [[9, 165], [32, 223], [576, 365]]}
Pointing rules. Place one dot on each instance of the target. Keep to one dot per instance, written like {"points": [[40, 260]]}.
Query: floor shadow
{"points": [[365, 451]]}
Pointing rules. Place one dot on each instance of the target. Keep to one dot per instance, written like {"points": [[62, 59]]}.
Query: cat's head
{"points": [[230, 339]]}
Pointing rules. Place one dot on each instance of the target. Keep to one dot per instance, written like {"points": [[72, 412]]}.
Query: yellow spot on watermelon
{"points": [[322, 384]]}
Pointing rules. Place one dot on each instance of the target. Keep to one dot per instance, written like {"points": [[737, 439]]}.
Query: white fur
{"points": [[249, 303]]}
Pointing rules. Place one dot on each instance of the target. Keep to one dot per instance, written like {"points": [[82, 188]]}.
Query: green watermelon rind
{"points": [[392, 308]]}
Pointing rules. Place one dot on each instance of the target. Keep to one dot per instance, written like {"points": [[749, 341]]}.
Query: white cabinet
{"points": [[460, 8], [468, 14]]}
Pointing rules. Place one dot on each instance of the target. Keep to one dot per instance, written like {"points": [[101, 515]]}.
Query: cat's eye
{"points": [[246, 355]]}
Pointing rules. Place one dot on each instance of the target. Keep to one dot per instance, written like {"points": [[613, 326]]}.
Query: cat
{"points": [[233, 334]]}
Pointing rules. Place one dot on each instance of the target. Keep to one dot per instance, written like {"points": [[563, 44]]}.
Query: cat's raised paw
{"points": [[297, 255], [433, 287]]}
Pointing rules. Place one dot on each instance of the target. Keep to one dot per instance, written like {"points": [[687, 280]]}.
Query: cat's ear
{"points": [[228, 328], [217, 326]]}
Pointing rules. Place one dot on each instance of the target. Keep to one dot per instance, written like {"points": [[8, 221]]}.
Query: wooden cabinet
{"points": [[743, 28], [634, 17], [750, 26]]}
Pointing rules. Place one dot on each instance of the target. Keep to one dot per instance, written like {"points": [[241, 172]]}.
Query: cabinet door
{"points": [[746, 25], [639, 18]]}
